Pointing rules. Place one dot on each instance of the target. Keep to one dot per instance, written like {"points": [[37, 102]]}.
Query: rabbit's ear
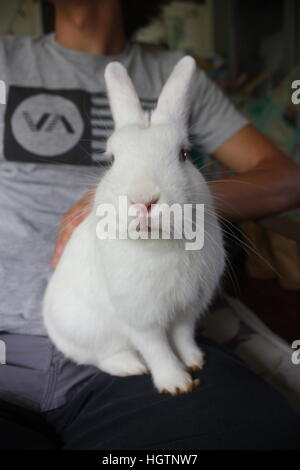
{"points": [[174, 101], [124, 101]]}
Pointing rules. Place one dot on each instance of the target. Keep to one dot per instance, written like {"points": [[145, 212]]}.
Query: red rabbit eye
{"points": [[184, 153], [112, 159]]}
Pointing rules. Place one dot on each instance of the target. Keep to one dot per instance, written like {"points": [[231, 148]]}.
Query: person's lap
{"points": [[23, 429], [231, 409]]}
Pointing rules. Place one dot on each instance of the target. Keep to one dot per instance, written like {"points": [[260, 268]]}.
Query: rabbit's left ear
{"points": [[174, 101], [124, 101]]}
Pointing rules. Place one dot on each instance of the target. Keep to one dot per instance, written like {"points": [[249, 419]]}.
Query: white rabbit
{"points": [[130, 306]]}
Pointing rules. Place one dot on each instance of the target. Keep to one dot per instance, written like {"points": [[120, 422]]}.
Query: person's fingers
{"points": [[69, 223], [62, 239]]}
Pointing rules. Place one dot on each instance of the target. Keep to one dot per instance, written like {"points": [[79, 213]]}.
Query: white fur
{"points": [[130, 306]]}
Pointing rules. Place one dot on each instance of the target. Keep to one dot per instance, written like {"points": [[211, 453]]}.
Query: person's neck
{"points": [[94, 28]]}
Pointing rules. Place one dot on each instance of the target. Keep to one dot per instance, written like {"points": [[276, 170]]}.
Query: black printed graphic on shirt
{"points": [[57, 126]]}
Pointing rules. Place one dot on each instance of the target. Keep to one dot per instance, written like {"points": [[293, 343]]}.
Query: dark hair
{"points": [[139, 13], [136, 14]]}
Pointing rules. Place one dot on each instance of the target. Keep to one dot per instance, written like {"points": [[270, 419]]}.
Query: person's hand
{"points": [[70, 220]]}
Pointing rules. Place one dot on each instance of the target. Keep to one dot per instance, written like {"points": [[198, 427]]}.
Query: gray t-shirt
{"points": [[52, 137]]}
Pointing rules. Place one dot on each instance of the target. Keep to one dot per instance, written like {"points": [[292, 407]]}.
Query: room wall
{"points": [[20, 17], [184, 25]]}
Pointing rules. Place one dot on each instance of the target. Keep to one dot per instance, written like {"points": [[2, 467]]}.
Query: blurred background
{"points": [[250, 36]]}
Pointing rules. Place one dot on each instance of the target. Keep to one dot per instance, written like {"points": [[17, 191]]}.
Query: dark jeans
{"points": [[231, 409]]}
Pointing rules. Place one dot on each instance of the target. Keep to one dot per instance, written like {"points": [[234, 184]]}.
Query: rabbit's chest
{"points": [[151, 286]]}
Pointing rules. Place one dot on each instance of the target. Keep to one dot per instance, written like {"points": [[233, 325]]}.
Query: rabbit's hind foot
{"points": [[123, 364]]}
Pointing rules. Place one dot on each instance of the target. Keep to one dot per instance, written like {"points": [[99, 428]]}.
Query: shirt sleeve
{"points": [[213, 118]]}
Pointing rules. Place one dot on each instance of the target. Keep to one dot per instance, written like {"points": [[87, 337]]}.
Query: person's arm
{"points": [[266, 182], [71, 219]]}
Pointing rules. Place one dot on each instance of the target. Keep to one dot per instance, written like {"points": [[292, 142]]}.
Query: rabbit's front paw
{"points": [[176, 383]]}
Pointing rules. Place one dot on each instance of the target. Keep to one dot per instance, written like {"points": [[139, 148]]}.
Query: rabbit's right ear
{"points": [[175, 99], [124, 101]]}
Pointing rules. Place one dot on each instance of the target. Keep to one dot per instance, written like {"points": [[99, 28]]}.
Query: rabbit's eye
{"points": [[184, 153], [112, 159]]}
